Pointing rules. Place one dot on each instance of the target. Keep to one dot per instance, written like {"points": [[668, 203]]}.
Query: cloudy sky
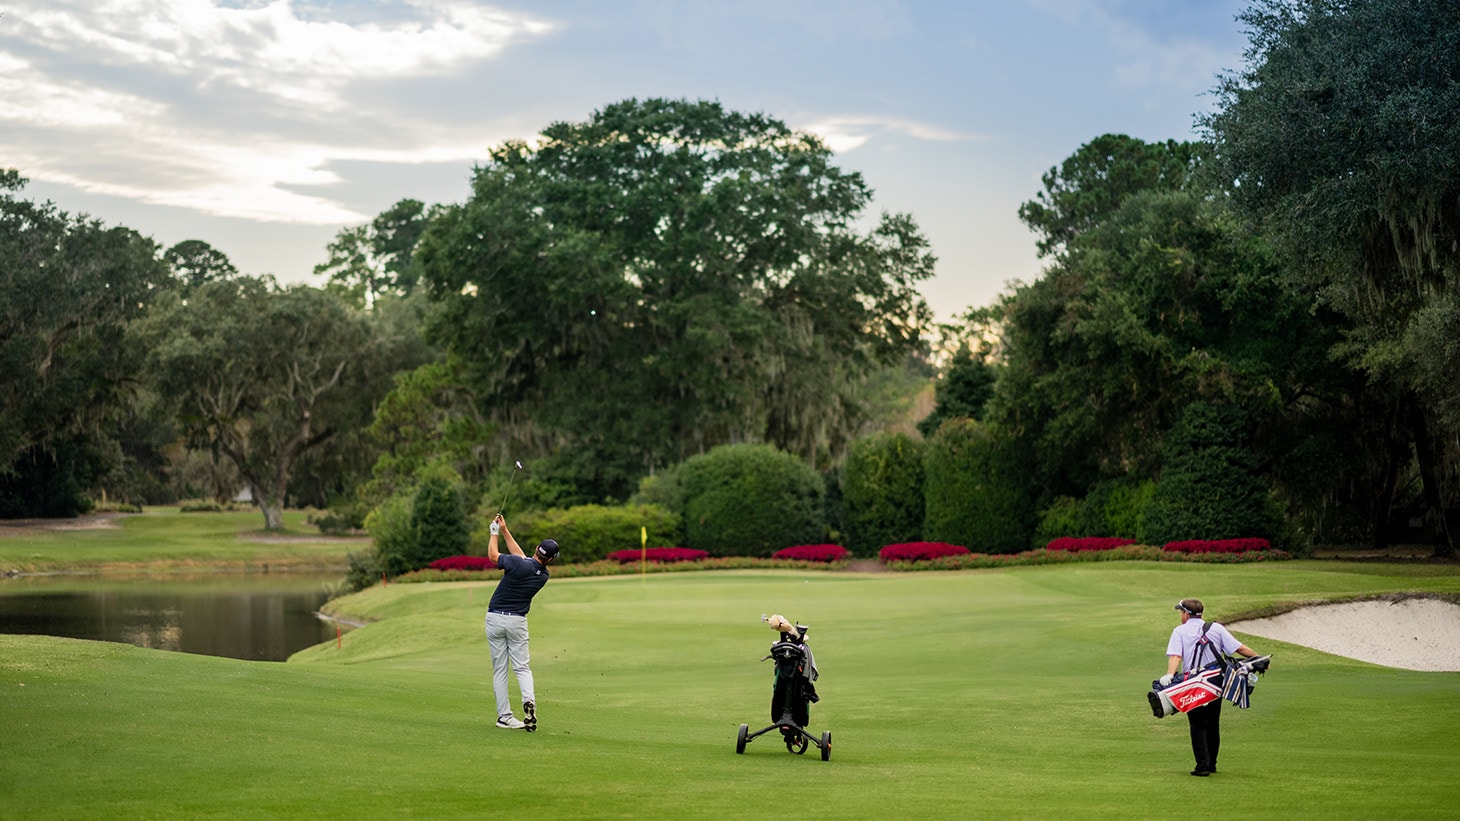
{"points": [[265, 127]]}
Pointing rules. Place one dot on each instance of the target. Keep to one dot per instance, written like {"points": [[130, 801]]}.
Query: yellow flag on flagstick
{"points": [[643, 552]]}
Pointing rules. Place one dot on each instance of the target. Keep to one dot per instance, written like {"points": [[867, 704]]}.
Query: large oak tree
{"points": [[262, 374], [1341, 140], [68, 288], [666, 277]]}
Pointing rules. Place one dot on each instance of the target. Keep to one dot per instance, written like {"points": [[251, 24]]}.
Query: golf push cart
{"points": [[793, 693]]}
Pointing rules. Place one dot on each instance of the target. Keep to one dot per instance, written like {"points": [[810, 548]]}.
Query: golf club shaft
{"points": [[508, 496]]}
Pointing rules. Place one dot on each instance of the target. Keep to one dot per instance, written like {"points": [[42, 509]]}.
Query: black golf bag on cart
{"points": [[792, 694]]}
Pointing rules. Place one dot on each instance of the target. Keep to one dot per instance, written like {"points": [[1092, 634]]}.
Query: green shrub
{"points": [[116, 507], [882, 491], [662, 489], [978, 489], [364, 569], [1065, 516], [588, 533], [1209, 486], [750, 500], [833, 505], [1113, 508], [438, 522], [421, 522], [343, 520], [1125, 507], [389, 526], [52, 480]]}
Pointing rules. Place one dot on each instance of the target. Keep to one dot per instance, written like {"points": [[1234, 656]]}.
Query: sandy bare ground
{"points": [[94, 521], [1410, 634]]}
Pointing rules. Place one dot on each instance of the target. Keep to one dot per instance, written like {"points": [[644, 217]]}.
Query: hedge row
{"points": [[1095, 543], [593, 532], [954, 560], [605, 567], [1131, 552]]}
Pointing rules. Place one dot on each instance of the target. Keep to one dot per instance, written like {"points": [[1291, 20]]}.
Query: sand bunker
{"points": [[1411, 634]]}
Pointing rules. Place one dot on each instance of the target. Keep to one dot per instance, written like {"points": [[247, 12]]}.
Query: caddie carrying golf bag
{"points": [[792, 692], [1229, 678]]}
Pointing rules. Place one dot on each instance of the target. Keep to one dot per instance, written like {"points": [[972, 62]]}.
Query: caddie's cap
{"points": [[547, 549]]}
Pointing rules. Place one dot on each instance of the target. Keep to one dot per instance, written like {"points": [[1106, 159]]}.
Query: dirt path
{"points": [[91, 521]]}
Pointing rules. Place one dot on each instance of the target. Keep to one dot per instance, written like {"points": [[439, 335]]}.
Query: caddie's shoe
{"points": [[531, 710], [1200, 772], [510, 723]]}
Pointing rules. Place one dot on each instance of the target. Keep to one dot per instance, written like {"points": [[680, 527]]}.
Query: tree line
{"points": [[1251, 334]]}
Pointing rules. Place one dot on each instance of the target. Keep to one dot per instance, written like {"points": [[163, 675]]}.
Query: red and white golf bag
{"points": [[1186, 692]]}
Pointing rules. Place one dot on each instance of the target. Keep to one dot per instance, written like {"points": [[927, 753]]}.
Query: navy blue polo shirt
{"points": [[521, 579]]}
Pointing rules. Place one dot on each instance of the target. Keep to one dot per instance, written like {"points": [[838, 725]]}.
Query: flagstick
{"points": [[643, 555]]}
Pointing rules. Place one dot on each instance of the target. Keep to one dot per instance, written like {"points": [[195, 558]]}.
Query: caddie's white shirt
{"points": [[1184, 638]]}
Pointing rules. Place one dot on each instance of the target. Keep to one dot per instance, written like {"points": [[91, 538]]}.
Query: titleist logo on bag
{"points": [[1200, 688]]}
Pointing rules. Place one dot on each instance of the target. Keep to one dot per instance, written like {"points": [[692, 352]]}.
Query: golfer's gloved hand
{"points": [[1166, 680], [496, 528]]}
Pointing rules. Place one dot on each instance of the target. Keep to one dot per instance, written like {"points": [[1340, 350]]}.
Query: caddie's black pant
{"points": [[1206, 734]]}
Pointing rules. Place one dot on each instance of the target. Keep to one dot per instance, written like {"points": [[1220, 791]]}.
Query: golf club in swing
{"points": [[517, 467]]}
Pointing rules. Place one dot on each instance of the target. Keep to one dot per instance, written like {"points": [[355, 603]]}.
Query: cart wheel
{"points": [[826, 746], [740, 740], [796, 744]]}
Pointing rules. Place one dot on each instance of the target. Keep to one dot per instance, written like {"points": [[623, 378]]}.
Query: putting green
{"points": [[1017, 692]]}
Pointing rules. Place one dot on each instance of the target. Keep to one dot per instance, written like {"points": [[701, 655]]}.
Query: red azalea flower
{"points": [[463, 563], [812, 553], [1217, 546], [920, 551], [1088, 543], [660, 555]]}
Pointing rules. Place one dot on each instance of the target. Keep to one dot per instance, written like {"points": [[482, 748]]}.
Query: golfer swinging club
{"points": [[522, 577], [1191, 646]]}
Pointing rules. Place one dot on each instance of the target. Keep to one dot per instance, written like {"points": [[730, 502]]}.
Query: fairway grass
{"points": [[1015, 692], [163, 539]]}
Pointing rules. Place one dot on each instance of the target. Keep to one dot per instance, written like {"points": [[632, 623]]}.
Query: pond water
{"points": [[258, 617]]}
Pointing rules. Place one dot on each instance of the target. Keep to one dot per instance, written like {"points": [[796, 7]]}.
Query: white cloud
{"points": [[698, 26], [843, 134], [98, 94]]}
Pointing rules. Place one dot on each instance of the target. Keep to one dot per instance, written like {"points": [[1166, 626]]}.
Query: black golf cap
{"points": [[547, 549]]}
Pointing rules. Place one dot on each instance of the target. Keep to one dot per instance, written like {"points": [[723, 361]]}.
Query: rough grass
{"points": [[1014, 692]]}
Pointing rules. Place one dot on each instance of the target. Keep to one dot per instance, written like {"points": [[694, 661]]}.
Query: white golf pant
{"points": [[507, 639]]}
